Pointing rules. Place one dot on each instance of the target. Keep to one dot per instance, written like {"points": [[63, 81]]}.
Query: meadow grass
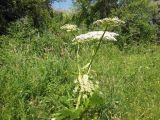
{"points": [[37, 79]]}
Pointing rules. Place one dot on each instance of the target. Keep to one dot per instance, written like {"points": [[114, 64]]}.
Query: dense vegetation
{"points": [[39, 62], [11, 10]]}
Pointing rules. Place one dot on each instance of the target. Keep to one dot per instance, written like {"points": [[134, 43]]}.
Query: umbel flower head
{"points": [[109, 21], [95, 35], [69, 27], [85, 85]]}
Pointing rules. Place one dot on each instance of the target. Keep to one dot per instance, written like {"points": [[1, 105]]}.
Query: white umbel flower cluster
{"points": [[106, 21], [69, 28], [95, 35], [85, 85]]}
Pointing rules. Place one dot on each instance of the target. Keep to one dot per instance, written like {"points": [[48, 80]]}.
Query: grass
{"points": [[37, 79], [37, 75]]}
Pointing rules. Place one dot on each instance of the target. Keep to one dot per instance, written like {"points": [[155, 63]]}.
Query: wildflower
{"points": [[95, 35], [84, 96], [75, 89], [86, 85], [69, 27], [106, 21]]}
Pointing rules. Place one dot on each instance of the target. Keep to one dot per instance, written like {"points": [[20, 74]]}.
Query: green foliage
{"points": [[22, 28], [90, 10], [138, 17], [38, 70], [11, 10], [137, 14], [37, 80]]}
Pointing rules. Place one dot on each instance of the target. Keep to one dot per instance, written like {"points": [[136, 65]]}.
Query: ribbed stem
{"points": [[97, 48], [78, 100]]}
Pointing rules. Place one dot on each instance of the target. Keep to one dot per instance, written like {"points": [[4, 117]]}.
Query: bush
{"points": [[22, 28], [138, 17], [91, 10], [11, 10]]}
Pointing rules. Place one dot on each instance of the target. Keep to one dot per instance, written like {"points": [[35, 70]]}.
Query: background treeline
{"points": [[38, 10], [141, 17]]}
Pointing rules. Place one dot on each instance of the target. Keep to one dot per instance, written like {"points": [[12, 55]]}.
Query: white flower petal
{"points": [[109, 36], [106, 21], [69, 27]]}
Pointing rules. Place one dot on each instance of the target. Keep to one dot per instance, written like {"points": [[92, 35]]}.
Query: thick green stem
{"points": [[77, 55], [79, 73], [78, 100], [97, 48], [90, 64]]}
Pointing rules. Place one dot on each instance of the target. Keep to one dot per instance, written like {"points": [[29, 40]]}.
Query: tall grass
{"points": [[37, 76]]}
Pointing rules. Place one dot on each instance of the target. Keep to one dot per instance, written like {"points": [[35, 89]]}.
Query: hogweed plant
{"points": [[95, 35], [106, 22], [84, 86], [69, 28]]}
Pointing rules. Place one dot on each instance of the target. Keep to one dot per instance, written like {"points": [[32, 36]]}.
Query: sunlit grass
{"points": [[36, 83]]}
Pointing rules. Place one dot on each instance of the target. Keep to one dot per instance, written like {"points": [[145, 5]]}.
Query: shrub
{"points": [[138, 17], [22, 28], [11, 10], [91, 10]]}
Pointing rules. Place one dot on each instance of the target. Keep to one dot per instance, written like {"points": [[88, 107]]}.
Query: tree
{"points": [[156, 17], [11, 10], [137, 15], [89, 10]]}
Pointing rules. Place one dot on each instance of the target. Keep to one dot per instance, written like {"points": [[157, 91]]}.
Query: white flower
{"points": [[84, 96], [95, 35], [69, 27], [86, 85], [75, 89], [107, 21], [117, 20]]}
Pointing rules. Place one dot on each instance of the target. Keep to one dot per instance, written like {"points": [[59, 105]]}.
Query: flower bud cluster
{"points": [[85, 85]]}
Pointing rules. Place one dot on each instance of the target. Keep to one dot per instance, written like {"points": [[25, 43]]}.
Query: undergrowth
{"points": [[38, 72]]}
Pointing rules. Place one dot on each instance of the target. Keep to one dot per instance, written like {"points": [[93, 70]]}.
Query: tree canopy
{"points": [[93, 9], [11, 10]]}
